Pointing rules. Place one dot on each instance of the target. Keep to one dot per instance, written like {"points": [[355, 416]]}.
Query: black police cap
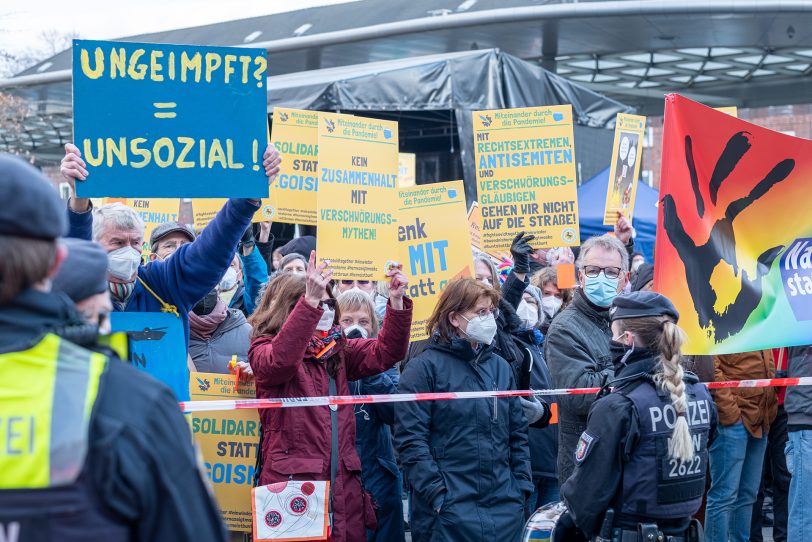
{"points": [[31, 207], [642, 305]]}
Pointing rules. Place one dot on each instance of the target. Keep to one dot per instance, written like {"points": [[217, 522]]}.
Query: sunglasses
{"points": [[349, 282]]}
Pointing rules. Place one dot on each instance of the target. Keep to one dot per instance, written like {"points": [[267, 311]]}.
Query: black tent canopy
{"points": [[433, 96]]}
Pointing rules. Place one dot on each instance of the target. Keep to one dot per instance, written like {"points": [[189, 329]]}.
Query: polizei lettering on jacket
{"points": [[698, 413], [796, 274]]}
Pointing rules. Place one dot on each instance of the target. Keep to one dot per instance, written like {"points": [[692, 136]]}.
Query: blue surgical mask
{"points": [[601, 290]]}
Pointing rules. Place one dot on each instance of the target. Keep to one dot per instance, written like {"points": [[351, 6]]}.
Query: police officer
{"points": [[90, 448], [644, 454]]}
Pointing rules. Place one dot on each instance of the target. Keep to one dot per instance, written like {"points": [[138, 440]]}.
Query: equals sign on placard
{"points": [[164, 110]]}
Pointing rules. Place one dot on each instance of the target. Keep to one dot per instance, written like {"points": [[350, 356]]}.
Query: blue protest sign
{"points": [[167, 121], [157, 346]]}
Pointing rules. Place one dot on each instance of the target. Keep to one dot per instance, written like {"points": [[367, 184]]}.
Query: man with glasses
{"points": [[577, 348]]}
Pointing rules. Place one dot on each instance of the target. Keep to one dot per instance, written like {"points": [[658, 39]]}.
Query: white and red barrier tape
{"points": [[289, 402]]}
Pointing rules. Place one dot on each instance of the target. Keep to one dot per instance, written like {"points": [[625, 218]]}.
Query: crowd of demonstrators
{"points": [[475, 469], [122, 465], [467, 461], [373, 436], [299, 350]]}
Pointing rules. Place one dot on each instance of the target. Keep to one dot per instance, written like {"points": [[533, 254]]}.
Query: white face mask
{"points": [[551, 305], [326, 320], [123, 262], [481, 330], [229, 280], [359, 329], [528, 314]]}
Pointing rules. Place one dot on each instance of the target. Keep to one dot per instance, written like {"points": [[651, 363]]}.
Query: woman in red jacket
{"points": [[296, 346]]}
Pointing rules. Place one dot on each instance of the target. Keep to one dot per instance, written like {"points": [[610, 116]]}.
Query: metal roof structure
{"points": [[720, 52]]}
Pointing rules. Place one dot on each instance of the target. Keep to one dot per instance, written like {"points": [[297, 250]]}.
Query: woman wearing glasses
{"points": [[296, 350], [467, 460]]}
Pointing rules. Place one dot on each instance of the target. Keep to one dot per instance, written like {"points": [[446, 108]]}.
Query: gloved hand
{"points": [[520, 251], [534, 409]]}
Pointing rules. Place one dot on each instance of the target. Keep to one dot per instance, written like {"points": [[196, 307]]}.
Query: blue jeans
{"points": [[545, 491], [799, 463], [736, 462]]}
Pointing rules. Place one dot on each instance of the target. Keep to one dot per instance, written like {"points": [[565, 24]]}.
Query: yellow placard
{"points": [[475, 232], [358, 172], [732, 110], [625, 167], [435, 246], [205, 209], [525, 173], [229, 441], [292, 196], [406, 169]]}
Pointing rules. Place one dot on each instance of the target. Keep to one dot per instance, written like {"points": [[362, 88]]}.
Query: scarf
{"points": [[205, 326], [121, 292], [320, 344]]}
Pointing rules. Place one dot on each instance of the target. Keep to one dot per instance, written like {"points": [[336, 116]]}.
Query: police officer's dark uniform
{"points": [[90, 448], [622, 460]]}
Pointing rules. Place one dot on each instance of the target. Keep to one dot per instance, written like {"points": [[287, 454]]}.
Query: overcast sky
{"points": [[22, 22]]}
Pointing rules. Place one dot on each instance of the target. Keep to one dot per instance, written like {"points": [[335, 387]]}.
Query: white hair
{"points": [[606, 242], [119, 216]]}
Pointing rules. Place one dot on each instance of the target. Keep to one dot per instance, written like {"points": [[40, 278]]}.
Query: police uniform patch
{"points": [[584, 446]]}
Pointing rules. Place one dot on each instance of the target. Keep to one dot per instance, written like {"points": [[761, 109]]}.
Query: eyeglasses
{"points": [[593, 271], [349, 282], [484, 313]]}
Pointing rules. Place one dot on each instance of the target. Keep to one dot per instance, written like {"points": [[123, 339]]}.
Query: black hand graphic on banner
{"points": [[701, 260]]}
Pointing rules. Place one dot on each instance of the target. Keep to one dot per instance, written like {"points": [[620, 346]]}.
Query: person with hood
{"points": [[92, 448], [179, 276], [298, 350], [466, 460], [216, 333], [644, 451], [379, 469]]}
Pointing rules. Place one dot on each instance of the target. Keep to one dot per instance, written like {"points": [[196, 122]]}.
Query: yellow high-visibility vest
{"points": [[47, 395]]}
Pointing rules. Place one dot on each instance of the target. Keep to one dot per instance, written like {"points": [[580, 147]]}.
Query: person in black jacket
{"points": [[466, 460], [111, 457], [644, 453]]}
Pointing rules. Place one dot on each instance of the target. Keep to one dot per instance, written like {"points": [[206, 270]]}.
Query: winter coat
{"points": [[544, 440], [755, 407], [468, 458], [192, 271], [379, 469], [798, 400], [297, 441], [577, 353], [232, 337]]}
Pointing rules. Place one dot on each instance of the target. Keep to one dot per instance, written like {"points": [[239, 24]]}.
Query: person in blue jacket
{"points": [[175, 279], [467, 460], [373, 437]]}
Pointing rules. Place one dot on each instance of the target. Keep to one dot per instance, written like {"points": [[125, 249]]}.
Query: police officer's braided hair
{"points": [[663, 335]]}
